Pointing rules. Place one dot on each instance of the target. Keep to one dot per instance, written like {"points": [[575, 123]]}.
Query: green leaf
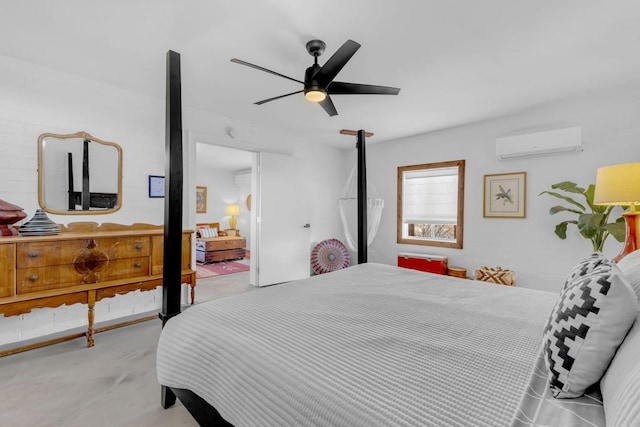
{"points": [[561, 229], [590, 224], [617, 229], [555, 209], [589, 194], [565, 198], [569, 187]]}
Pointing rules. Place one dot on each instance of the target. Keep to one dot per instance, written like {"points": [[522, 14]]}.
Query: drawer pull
{"points": [[34, 255], [139, 246], [33, 277], [137, 265]]}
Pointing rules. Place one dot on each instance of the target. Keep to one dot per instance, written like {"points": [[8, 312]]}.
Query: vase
{"points": [[39, 225]]}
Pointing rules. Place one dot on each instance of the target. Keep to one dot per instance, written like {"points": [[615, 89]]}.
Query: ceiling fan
{"points": [[318, 80]]}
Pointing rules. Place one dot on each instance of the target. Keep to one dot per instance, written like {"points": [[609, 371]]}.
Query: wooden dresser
{"points": [[85, 263], [220, 248]]}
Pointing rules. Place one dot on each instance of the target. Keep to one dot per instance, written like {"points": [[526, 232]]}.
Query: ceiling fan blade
{"points": [[257, 67], [341, 88], [277, 97], [332, 67], [328, 106]]}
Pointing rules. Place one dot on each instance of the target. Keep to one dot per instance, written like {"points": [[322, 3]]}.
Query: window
{"points": [[431, 204]]}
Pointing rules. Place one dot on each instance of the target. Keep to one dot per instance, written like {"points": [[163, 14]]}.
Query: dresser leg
{"points": [[192, 285], [90, 317]]}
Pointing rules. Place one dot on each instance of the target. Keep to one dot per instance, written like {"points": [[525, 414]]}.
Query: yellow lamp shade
{"points": [[233, 210], [618, 185]]}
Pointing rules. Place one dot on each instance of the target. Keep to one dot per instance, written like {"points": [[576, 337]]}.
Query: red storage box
{"points": [[424, 262]]}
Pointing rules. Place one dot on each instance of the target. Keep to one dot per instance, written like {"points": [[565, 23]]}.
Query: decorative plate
{"points": [[329, 255]]}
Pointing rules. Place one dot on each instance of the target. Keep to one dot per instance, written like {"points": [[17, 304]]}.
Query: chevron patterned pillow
{"points": [[585, 327], [584, 267], [495, 275]]}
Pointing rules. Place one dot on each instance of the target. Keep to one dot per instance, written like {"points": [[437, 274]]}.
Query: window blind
{"points": [[430, 196]]}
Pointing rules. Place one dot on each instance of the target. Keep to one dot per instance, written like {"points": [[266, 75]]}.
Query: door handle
{"points": [[307, 225]]}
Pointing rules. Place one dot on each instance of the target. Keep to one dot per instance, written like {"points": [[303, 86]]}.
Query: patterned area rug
{"points": [[220, 268]]}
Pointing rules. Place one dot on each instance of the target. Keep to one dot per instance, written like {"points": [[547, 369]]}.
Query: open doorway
{"points": [[223, 179]]}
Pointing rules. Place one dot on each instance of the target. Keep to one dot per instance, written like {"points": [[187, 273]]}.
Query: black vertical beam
{"points": [[86, 196], [173, 192], [72, 199], [171, 280], [362, 199]]}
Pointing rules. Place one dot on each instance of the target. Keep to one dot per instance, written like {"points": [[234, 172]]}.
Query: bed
{"points": [[375, 345]]}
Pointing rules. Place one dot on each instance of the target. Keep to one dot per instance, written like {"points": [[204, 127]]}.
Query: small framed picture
{"points": [[201, 199], [156, 186], [505, 195]]}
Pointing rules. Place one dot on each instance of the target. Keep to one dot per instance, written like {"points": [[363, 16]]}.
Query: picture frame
{"points": [[156, 186], [505, 195], [201, 199]]}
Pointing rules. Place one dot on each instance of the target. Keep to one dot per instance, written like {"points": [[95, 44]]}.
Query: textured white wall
{"points": [[611, 131], [35, 100]]}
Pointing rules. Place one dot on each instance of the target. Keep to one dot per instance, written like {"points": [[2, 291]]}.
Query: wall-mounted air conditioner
{"points": [[242, 178], [540, 143]]}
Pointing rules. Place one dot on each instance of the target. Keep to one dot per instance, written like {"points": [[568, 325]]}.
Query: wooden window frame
{"points": [[458, 243]]}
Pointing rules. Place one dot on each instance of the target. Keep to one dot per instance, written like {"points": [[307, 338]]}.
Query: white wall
{"points": [[35, 100], [610, 120]]}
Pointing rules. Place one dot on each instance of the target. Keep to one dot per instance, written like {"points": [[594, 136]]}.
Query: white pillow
{"points": [[620, 386], [585, 328], [206, 233], [630, 266]]}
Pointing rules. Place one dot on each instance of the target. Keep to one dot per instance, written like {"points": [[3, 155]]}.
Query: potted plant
{"points": [[592, 220]]}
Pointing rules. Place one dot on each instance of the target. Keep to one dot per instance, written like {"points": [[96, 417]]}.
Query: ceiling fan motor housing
{"points": [[310, 83]]}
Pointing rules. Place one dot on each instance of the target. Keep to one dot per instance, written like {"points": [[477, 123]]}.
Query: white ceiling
{"points": [[223, 158], [456, 61]]}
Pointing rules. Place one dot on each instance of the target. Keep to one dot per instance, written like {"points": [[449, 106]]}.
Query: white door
{"points": [[282, 228]]}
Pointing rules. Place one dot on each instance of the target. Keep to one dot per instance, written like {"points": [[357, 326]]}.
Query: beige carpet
{"points": [[111, 384]]}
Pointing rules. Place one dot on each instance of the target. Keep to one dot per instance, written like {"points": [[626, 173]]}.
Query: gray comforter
{"points": [[371, 345]]}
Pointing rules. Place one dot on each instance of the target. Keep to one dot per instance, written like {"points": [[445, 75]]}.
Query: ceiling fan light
{"points": [[315, 95]]}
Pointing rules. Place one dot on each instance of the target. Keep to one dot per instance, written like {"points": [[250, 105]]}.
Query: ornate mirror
{"points": [[79, 174]]}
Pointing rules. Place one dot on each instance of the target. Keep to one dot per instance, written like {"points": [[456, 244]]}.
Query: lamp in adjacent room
{"points": [[619, 185], [233, 211]]}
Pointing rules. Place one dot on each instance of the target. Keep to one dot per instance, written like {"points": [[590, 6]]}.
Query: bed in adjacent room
{"points": [[375, 345]]}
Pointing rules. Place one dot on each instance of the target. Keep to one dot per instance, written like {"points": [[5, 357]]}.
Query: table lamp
{"points": [[619, 185], [233, 211]]}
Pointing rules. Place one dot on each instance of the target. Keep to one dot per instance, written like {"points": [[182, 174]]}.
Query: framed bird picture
{"points": [[505, 195]]}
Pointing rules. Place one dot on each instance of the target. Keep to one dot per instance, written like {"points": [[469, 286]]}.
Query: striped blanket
{"points": [[370, 345]]}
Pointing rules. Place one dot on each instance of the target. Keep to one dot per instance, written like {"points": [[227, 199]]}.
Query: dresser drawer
{"points": [[35, 279], [39, 254]]}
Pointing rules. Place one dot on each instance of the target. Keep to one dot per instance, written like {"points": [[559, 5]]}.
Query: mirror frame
{"points": [[82, 135]]}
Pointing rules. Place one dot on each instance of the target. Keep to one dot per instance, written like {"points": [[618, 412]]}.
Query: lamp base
{"points": [[7, 230], [233, 221], [630, 241]]}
